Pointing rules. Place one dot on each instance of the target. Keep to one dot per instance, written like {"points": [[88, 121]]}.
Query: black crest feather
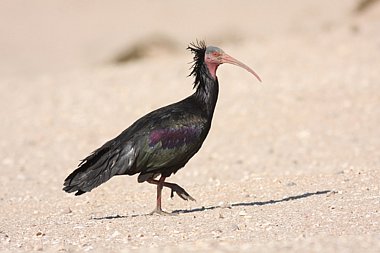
{"points": [[199, 50]]}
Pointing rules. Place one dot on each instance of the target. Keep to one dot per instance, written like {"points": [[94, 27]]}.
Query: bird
{"points": [[160, 143]]}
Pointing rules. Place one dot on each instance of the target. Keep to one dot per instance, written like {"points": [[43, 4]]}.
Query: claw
{"points": [[181, 193], [161, 212]]}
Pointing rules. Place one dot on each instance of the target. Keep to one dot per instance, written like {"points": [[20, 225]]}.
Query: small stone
{"points": [[87, 247], [223, 204], [331, 193], [217, 233], [66, 210], [40, 234], [235, 227], [4, 238], [38, 248], [114, 234], [291, 184]]}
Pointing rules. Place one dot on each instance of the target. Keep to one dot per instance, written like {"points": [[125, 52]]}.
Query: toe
{"points": [[161, 212]]}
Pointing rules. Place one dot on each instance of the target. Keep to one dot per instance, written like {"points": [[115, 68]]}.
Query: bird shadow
{"points": [[117, 216], [255, 203], [202, 209]]}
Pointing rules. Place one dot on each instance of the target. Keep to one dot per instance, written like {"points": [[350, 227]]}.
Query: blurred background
{"points": [[43, 36], [76, 73], [61, 62]]}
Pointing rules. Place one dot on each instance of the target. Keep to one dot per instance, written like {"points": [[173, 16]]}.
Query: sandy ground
{"points": [[290, 165]]}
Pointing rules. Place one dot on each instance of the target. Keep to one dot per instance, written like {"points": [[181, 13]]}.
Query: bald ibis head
{"points": [[208, 58], [215, 56]]}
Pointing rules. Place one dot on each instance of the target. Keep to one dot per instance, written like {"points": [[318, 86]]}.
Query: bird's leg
{"points": [[179, 190], [174, 187], [160, 184]]}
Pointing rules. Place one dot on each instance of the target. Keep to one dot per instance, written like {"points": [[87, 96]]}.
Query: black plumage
{"points": [[163, 141]]}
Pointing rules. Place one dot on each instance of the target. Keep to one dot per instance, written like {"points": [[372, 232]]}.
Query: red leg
{"points": [[174, 187], [160, 184]]}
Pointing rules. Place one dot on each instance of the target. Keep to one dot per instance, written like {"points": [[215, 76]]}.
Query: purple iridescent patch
{"points": [[174, 137]]}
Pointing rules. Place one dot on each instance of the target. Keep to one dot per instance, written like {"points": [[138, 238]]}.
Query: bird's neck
{"points": [[207, 92]]}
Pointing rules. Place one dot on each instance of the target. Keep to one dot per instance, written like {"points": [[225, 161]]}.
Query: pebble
{"points": [[291, 184], [114, 234], [235, 227], [40, 234], [331, 193], [66, 210], [4, 238], [223, 204]]}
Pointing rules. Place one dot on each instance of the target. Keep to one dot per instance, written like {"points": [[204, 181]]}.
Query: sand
{"points": [[290, 165]]}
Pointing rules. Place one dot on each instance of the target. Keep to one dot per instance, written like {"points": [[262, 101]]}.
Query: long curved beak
{"points": [[229, 59]]}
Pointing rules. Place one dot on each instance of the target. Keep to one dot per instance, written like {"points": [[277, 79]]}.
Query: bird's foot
{"points": [[161, 212], [180, 192]]}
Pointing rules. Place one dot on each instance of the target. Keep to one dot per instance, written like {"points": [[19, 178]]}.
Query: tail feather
{"points": [[109, 160]]}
